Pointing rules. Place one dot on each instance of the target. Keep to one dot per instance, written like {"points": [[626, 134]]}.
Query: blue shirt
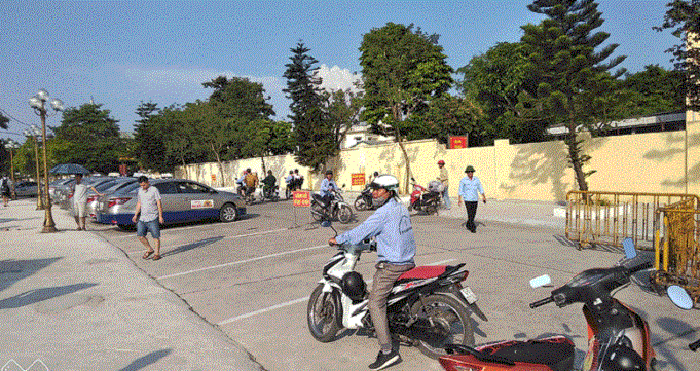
{"points": [[391, 225], [469, 189], [327, 186]]}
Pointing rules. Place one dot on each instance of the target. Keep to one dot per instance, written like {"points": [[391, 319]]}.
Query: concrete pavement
{"points": [[71, 301]]}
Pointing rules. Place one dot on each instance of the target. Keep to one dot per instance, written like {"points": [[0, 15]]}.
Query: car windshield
{"points": [[131, 188], [119, 185], [106, 185]]}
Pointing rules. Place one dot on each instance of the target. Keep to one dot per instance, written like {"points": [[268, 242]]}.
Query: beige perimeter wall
{"points": [[656, 162]]}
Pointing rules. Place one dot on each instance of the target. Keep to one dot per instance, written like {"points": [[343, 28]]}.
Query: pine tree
{"points": [[574, 85], [312, 132]]}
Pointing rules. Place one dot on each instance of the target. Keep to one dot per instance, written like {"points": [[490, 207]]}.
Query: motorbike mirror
{"points": [[413, 180], [540, 281], [680, 297], [326, 223], [628, 245]]}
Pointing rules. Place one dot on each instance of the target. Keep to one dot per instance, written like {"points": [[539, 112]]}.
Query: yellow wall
{"points": [[653, 162]]}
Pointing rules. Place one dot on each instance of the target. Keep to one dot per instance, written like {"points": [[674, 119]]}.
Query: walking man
{"points": [[149, 213], [5, 188], [469, 189], [444, 179], [80, 191]]}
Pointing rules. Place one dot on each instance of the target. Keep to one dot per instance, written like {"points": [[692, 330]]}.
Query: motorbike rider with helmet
{"points": [[396, 248], [328, 186]]}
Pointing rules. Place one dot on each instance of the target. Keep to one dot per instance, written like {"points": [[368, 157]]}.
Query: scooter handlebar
{"points": [[542, 302]]}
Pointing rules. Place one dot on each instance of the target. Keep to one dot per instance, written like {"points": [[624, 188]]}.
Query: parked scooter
{"points": [[682, 299], [423, 199], [338, 208], [429, 306], [364, 200], [618, 338]]}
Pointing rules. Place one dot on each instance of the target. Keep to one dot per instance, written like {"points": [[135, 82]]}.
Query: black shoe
{"points": [[385, 360]]}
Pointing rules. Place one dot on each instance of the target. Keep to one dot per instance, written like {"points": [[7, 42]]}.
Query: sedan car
{"points": [[105, 187], [182, 200], [26, 189], [67, 189]]}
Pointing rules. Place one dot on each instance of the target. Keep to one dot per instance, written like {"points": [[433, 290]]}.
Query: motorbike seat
{"points": [[557, 352], [422, 272]]}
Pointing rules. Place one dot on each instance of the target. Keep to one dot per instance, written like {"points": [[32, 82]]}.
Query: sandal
{"points": [[156, 257], [147, 254]]}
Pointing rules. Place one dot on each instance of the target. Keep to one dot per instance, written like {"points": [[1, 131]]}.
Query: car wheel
{"points": [[228, 213]]}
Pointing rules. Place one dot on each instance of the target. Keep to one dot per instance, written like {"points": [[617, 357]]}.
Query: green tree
{"points": [[343, 108], [149, 138], [655, 90], [312, 132], [93, 136], [448, 116], [3, 121], [683, 19], [403, 71], [574, 87]]}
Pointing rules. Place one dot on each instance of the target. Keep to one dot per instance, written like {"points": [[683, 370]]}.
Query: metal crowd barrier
{"points": [[606, 218], [677, 251]]}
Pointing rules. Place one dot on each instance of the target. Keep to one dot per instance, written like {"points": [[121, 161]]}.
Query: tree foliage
{"points": [[312, 131], [574, 87], [93, 136], [403, 72]]}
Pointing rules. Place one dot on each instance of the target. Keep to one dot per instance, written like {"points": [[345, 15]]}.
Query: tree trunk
{"points": [[575, 158], [262, 159], [221, 166]]}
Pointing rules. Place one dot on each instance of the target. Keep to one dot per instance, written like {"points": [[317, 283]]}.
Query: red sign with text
{"points": [[358, 179], [459, 142], [301, 199]]}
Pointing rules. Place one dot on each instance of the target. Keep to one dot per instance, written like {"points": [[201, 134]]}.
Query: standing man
{"points": [[469, 189], [80, 191], [149, 213], [444, 179], [396, 248], [5, 189], [328, 186]]}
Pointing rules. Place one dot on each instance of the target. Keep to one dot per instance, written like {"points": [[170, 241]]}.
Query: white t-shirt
{"points": [[149, 203], [80, 193]]}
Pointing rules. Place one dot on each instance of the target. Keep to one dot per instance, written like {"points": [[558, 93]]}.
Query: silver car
{"points": [[182, 200], [66, 190], [26, 189], [107, 188]]}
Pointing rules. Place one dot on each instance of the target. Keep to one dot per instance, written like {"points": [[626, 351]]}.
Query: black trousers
{"points": [[471, 213]]}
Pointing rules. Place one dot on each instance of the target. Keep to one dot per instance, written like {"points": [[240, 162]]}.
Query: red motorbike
{"points": [[618, 338], [423, 199]]}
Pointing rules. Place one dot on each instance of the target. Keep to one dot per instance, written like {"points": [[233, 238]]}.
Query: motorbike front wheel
{"points": [[345, 214], [317, 211], [321, 315], [360, 203], [446, 320]]}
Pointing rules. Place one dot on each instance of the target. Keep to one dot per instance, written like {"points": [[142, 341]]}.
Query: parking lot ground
{"points": [[252, 279]]}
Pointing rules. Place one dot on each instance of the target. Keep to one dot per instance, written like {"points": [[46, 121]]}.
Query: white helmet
{"points": [[388, 182]]}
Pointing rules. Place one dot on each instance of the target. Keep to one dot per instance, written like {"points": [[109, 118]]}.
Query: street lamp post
{"points": [[37, 102], [34, 132], [12, 145]]}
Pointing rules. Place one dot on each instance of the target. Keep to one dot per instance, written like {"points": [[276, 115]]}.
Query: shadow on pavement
{"points": [[12, 271], [192, 246], [37, 295], [148, 360]]}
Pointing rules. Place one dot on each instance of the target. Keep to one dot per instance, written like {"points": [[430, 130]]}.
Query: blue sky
{"points": [[121, 53]]}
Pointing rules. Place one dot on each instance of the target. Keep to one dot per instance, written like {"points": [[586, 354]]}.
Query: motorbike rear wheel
{"points": [[321, 315], [360, 203], [447, 319], [345, 214]]}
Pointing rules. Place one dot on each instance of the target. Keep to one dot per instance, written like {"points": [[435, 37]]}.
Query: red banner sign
{"points": [[459, 142], [358, 179], [301, 199]]}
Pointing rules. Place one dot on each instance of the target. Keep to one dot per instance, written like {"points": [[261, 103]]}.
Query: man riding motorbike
{"points": [[328, 186], [396, 248], [269, 184]]}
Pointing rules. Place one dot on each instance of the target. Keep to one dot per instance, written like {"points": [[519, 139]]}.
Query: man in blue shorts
{"points": [[149, 213]]}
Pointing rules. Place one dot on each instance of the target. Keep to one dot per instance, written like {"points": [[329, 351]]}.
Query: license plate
{"points": [[469, 295]]}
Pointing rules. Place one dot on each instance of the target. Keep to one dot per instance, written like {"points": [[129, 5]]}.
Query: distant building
{"points": [[125, 135], [360, 134], [662, 122]]}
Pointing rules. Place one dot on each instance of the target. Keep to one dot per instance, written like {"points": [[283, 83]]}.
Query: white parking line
{"points": [[225, 238], [291, 302], [239, 262]]}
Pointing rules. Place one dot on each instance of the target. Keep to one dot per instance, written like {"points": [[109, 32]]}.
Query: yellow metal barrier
{"points": [[676, 247], [606, 218]]}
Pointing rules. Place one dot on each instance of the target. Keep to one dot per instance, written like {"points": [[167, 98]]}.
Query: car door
{"points": [[200, 200], [169, 199]]}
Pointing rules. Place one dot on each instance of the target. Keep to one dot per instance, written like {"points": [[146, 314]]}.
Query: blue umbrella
{"points": [[69, 169]]}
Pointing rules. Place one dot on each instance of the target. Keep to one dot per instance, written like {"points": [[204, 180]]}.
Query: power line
{"points": [[13, 119]]}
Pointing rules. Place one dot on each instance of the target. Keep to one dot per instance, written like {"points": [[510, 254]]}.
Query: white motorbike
{"points": [[429, 306]]}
